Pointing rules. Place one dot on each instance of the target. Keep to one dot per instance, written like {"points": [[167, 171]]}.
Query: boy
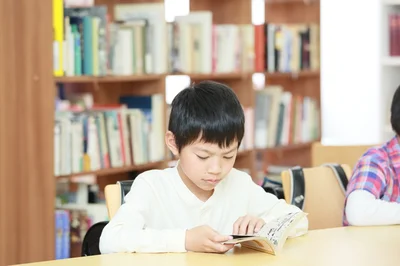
{"points": [[198, 204], [373, 193]]}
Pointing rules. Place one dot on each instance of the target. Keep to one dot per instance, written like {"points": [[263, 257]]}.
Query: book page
{"points": [[279, 228]]}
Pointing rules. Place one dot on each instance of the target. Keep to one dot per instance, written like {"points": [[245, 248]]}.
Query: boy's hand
{"points": [[247, 225], [205, 239]]}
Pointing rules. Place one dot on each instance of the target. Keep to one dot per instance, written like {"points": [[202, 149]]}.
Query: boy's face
{"points": [[205, 164]]}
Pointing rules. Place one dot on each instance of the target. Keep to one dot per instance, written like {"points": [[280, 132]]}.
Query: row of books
{"points": [[77, 207], [139, 41], [88, 43], [108, 136], [287, 47], [196, 45], [394, 34], [70, 228], [282, 118]]}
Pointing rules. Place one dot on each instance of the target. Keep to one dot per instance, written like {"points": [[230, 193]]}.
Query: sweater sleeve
{"points": [[364, 209], [127, 231], [268, 207]]}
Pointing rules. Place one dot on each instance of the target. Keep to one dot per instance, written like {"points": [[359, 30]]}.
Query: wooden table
{"points": [[337, 247]]}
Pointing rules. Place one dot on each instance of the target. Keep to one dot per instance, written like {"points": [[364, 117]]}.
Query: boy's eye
{"points": [[228, 157], [202, 158]]}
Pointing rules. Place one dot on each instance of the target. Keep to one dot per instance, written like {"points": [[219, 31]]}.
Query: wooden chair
{"points": [[318, 191], [345, 154], [114, 194]]}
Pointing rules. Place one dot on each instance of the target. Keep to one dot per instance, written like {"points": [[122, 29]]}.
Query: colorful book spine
{"points": [[58, 39]]}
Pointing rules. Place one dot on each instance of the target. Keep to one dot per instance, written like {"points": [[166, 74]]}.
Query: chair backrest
{"points": [[90, 243], [345, 154], [318, 191], [115, 194]]}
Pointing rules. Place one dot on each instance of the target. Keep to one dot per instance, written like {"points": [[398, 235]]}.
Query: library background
{"points": [[85, 89]]}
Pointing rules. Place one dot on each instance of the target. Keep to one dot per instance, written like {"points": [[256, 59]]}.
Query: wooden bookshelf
{"points": [[141, 167], [108, 79], [219, 76], [150, 77], [27, 179], [304, 82], [292, 11], [293, 75], [286, 148], [290, 155], [119, 170]]}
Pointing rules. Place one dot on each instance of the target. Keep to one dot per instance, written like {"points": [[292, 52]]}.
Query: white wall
{"points": [[350, 72]]}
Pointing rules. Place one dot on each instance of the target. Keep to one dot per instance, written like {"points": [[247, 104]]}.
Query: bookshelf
{"points": [[303, 82], [27, 135]]}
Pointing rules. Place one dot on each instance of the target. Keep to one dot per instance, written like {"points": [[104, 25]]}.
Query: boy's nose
{"points": [[214, 171], [215, 168]]}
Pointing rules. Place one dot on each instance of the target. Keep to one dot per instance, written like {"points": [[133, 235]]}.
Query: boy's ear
{"points": [[170, 142]]}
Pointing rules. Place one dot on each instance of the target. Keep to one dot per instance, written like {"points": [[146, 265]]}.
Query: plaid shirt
{"points": [[378, 172]]}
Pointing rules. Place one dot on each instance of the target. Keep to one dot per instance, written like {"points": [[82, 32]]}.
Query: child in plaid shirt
{"points": [[373, 192]]}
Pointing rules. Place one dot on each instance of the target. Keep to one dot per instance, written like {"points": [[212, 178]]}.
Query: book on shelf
{"points": [[71, 226], [283, 118], [141, 30], [70, 229], [272, 236], [287, 47], [106, 136], [394, 33]]}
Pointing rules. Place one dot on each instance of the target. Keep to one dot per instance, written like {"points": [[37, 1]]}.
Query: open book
{"points": [[272, 236]]}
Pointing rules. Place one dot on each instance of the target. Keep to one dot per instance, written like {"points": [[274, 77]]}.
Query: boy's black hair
{"points": [[208, 109], [395, 112]]}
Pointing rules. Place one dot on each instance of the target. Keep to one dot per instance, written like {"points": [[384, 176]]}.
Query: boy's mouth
{"points": [[213, 181]]}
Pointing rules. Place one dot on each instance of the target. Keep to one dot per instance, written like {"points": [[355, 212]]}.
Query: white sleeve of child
{"points": [[268, 207], [364, 209], [127, 232]]}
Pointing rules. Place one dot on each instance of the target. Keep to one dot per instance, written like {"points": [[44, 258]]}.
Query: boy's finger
{"points": [[243, 226], [221, 238], [236, 226], [251, 227], [218, 247], [259, 225], [228, 247]]}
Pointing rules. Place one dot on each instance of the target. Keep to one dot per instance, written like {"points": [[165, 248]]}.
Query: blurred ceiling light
{"points": [[258, 81], [174, 84]]}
